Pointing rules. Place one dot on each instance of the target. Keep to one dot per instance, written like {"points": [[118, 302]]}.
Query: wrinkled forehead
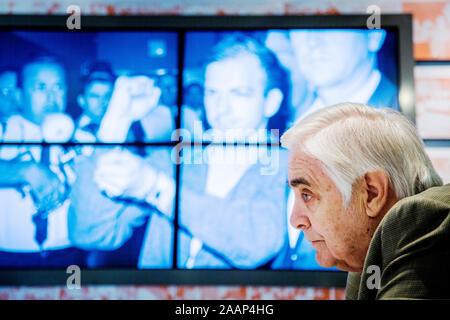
{"points": [[299, 160], [99, 86], [242, 69], [44, 72], [302, 165]]}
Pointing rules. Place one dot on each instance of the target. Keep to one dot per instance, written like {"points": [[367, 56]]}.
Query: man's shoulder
{"points": [[412, 212], [410, 246], [440, 195], [19, 129], [13, 127], [414, 217]]}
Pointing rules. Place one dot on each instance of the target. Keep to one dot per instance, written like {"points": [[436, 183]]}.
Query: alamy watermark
{"points": [[374, 280], [230, 146], [74, 280], [374, 20], [74, 19]]}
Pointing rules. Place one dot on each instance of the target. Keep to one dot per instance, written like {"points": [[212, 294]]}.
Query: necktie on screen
{"points": [[91, 128], [138, 131], [40, 219], [138, 136], [41, 228]]}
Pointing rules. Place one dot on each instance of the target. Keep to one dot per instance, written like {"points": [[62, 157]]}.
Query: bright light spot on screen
{"points": [[157, 48]]}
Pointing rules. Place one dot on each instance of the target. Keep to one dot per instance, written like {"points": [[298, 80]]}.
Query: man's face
{"points": [[194, 96], [96, 98], [337, 233], [234, 93], [327, 57], [169, 90], [8, 93], [44, 90]]}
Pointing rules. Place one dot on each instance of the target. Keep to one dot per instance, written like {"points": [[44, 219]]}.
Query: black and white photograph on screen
{"points": [[69, 90]]}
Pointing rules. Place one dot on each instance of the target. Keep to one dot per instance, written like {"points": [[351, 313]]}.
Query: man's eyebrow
{"points": [[297, 181]]}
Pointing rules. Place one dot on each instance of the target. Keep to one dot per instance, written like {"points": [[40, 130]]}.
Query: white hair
{"points": [[352, 139]]}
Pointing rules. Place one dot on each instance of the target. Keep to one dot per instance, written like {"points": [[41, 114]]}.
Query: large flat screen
{"points": [[154, 146]]}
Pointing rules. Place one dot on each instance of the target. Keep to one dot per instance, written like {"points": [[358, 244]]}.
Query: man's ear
{"points": [[376, 192], [81, 101], [376, 40], [18, 96], [272, 102]]}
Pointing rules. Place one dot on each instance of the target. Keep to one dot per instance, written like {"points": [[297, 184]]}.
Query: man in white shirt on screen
{"points": [[341, 65], [33, 183]]}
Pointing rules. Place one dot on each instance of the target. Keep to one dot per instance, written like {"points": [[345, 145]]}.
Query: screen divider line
{"points": [[180, 50]]}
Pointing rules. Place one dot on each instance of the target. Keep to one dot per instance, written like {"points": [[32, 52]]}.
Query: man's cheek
{"points": [[61, 105], [38, 102], [38, 107]]}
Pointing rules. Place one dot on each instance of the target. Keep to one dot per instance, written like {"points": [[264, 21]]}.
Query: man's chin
{"points": [[325, 260], [330, 262], [342, 265]]}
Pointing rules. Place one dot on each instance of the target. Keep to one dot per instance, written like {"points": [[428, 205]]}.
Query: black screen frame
{"points": [[400, 23]]}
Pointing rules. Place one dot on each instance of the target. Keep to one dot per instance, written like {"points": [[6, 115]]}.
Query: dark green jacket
{"points": [[411, 247]]}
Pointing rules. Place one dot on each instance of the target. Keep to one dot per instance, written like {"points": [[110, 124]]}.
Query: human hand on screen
{"points": [[120, 173], [44, 187], [134, 97]]}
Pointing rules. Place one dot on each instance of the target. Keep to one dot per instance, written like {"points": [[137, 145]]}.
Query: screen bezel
{"points": [[400, 23]]}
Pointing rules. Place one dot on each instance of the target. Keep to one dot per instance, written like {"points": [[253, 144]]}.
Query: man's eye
{"points": [[40, 87], [242, 92], [58, 87], [210, 92], [306, 197]]}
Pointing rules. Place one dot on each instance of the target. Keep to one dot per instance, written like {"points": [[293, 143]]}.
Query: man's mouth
{"points": [[312, 240], [315, 242]]}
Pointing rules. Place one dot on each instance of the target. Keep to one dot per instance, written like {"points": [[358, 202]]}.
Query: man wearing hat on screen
{"points": [[97, 86], [369, 200]]}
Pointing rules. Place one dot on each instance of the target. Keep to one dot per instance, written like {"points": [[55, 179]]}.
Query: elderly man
{"points": [[369, 200]]}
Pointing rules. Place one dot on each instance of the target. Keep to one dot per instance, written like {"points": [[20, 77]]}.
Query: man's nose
{"points": [[222, 104], [299, 220], [51, 97]]}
